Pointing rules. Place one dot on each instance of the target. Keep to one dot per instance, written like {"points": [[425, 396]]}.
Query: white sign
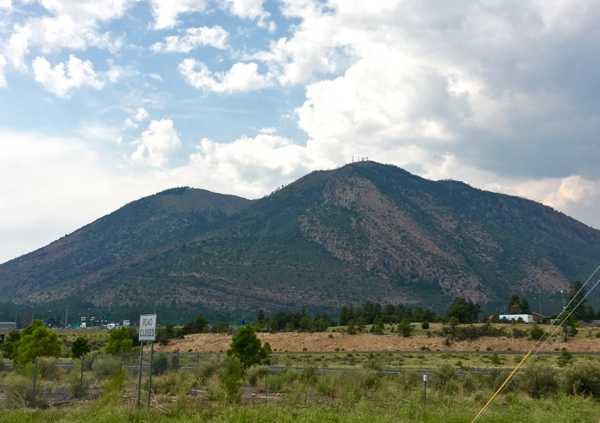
{"points": [[147, 327]]}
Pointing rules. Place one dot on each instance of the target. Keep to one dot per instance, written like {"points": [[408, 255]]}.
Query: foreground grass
{"points": [[561, 409]]}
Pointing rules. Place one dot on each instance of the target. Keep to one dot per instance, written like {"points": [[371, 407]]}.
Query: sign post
{"points": [[147, 333], [425, 389]]}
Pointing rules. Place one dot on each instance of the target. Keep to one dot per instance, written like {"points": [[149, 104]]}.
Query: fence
{"points": [[49, 381]]}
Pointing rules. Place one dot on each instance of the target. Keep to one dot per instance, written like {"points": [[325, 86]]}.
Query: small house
{"points": [[5, 328]]}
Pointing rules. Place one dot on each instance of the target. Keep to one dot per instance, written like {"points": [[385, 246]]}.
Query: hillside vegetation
{"points": [[332, 238]]}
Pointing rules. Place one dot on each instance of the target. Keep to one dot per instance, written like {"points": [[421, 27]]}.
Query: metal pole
{"points": [[67, 317], [81, 377], [150, 378], [425, 389], [140, 374], [34, 380]]}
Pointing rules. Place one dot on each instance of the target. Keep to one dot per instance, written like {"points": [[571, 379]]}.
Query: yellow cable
{"points": [[502, 387]]}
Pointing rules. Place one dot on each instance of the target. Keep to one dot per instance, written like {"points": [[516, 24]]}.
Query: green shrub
{"points": [[564, 358], [160, 364], [256, 372], [104, 367], [48, 370], [539, 380], [173, 382], [582, 379], [230, 376], [308, 375], [18, 392], [409, 379], [204, 371], [442, 376], [75, 385]]}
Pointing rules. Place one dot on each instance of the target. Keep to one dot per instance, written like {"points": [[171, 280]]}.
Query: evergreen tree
{"points": [[346, 314], [246, 347], [404, 327], [368, 311], [577, 302], [37, 341], [351, 329], [306, 324], [261, 317], [361, 323], [514, 304], [525, 307], [389, 313], [8, 347], [118, 342], [465, 312], [79, 347]]}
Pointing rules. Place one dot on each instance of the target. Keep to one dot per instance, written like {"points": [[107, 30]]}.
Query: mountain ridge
{"points": [[331, 238]]}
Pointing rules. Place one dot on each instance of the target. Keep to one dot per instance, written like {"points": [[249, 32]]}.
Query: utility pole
{"points": [[67, 317]]}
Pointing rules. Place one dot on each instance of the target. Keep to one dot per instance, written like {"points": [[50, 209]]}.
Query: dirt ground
{"points": [[320, 342]]}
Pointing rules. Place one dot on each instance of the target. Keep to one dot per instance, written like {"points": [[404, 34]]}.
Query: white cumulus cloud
{"points": [[61, 79], [193, 38], [2, 71], [157, 144], [241, 77], [165, 12], [247, 9]]}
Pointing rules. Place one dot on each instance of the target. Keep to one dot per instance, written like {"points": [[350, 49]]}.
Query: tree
{"points": [[361, 323], [261, 317], [321, 325], [351, 329], [378, 327], [289, 327], [306, 324], [389, 313], [525, 307], [118, 342], [514, 304], [79, 347], [221, 327], [564, 358], [37, 341], [578, 303], [246, 347], [453, 322], [465, 312], [346, 314], [404, 327], [199, 325], [9, 343]]}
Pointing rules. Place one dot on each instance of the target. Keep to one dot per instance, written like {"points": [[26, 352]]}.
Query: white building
{"points": [[527, 318]]}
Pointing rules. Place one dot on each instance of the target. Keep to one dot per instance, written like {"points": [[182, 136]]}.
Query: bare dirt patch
{"points": [[317, 342]]}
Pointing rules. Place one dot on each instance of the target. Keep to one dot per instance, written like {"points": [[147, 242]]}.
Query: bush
{"points": [[204, 371], [230, 377], [174, 383], [74, 385], [443, 375], [79, 347], [539, 380], [48, 370], [160, 364], [564, 358], [409, 379], [18, 392], [425, 325], [256, 372], [582, 379], [104, 367]]}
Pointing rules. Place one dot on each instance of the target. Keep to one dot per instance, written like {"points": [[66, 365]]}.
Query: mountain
{"points": [[363, 231], [143, 225]]}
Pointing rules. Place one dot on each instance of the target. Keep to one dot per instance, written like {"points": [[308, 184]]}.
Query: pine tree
{"points": [[577, 302], [514, 304]]}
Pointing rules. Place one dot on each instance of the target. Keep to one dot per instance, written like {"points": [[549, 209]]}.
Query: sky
{"points": [[103, 102]]}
